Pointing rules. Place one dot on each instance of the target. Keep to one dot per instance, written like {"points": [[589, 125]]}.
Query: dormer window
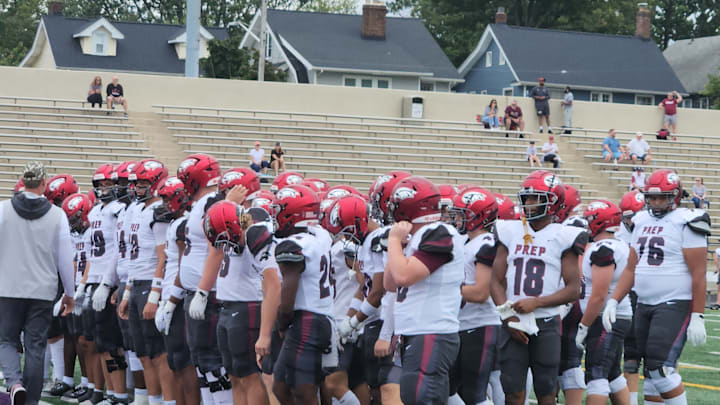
{"points": [[99, 42], [99, 38]]}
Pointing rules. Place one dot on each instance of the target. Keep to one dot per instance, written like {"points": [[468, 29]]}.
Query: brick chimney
{"points": [[55, 7], [643, 21], [373, 20], [500, 16]]}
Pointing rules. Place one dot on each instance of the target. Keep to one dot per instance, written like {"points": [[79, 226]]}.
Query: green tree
{"points": [[228, 61], [18, 23], [712, 90]]}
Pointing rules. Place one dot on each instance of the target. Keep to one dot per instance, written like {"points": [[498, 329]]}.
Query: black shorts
{"points": [[543, 110], [178, 352], [238, 329], [631, 354], [202, 336], [470, 375], [146, 339], [377, 369], [57, 327], [268, 362], [570, 355], [661, 331], [604, 350], [426, 363], [88, 314], [300, 360], [541, 355], [108, 337], [124, 324], [351, 362], [74, 326]]}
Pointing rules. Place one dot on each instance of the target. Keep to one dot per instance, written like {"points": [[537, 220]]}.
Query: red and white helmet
{"points": [[663, 182], [545, 187], [602, 215], [320, 184], [223, 225], [104, 172], [447, 193], [239, 176], [19, 187], [341, 190], [312, 186], [198, 171], [122, 178], [174, 196], [294, 206], [506, 207], [570, 203], [380, 193], [261, 199], [91, 196], [60, 187], [286, 179], [415, 199], [348, 215], [77, 207], [150, 170], [474, 208], [630, 204]]}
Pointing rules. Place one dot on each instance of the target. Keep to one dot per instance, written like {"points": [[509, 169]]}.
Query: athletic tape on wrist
{"points": [[178, 292], [153, 297], [126, 295], [355, 304], [367, 309]]}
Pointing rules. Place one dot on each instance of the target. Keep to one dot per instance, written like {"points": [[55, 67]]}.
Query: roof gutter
{"points": [[372, 71]]}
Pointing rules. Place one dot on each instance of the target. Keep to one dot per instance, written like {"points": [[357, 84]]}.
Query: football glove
{"points": [[99, 298], [582, 333], [198, 305], [609, 314], [696, 330]]}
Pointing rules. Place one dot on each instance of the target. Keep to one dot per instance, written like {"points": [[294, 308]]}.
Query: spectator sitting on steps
{"points": [[639, 149], [550, 149], [115, 95], [95, 92], [637, 181], [490, 118], [277, 159], [532, 156], [612, 149], [257, 159], [514, 118], [698, 193]]}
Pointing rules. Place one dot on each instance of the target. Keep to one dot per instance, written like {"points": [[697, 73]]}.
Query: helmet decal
{"points": [[152, 165], [286, 193], [472, 196], [185, 164], [404, 193], [337, 193], [73, 203], [294, 179], [55, 184], [596, 205]]}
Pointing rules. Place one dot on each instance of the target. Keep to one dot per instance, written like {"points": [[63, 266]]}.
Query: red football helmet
{"points": [[224, 225], [19, 187], [506, 207], [286, 179], [122, 177], [104, 172], [447, 193], [474, 208], [380, 193], [198, 171], [663, 183], [320, 184], [91, 196], [348, 215], [60, 187], [261, 199], [602, 215], [630, 204], [294, 206], [462, 187], [77, 207], [415, 199], [174, 196], [150, 170], [312, 186], [544, 187], [341, 191], [242, 176], [570, 203]]}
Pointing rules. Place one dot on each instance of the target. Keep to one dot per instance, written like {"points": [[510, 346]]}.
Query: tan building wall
{"points": [[45, 59], [143, 91]]}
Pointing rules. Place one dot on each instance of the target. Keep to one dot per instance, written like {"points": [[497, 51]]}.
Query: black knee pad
{"points": [[202, 381], [631, 366], [111, 365], [119, 360], [222, 383]]}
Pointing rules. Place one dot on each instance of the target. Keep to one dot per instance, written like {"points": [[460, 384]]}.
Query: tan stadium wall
{"points": [[145, 90]]}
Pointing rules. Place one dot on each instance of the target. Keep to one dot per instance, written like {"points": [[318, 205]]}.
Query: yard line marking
{"points": [[715, 353], [688, 384], [698, 366]]}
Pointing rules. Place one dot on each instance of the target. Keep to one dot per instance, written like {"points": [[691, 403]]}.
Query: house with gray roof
{"points": [[508, 60], [368, 50], [693, 60], [98, 44]]}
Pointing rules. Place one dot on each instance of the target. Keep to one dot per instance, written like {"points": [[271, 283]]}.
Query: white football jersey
{"points": [[623, 234], [123, 238], [175, 232], [371, 257], [196, 244], [145, 236], [81, 244], [240, 277], [662, 274], [315, 291], [535, 269], [476, 314], [432, 305], [346, 284], [103, 253], [604, 253]]}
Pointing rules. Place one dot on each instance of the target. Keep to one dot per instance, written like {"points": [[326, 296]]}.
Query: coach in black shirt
{"points": [[115, 95]]}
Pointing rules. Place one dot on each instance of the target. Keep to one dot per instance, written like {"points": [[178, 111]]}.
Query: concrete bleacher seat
{"points": [[51, 123], [60, 117]]}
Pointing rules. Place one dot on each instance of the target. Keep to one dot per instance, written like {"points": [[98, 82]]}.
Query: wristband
{"points": [[367, 309], [154, 297], [157, 282], [178, 292], [126, 295], [355, 304]]}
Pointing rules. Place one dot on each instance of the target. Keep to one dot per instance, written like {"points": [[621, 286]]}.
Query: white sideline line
{"points": [[699, 366]]}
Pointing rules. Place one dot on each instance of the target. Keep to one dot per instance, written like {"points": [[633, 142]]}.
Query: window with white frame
{"points": [[701, 102], [644, 99], [600, 97], [488, 58], [268, 45], [501, 58], [367, 82], [99, 39], [508, 92], [427, 86]]}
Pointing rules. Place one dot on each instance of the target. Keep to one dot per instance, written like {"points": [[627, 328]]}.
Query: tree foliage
{"points": [[228, 61], [712, 90], [18, 23]]}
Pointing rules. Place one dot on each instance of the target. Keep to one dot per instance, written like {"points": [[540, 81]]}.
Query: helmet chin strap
{"points": [[527, 238]]}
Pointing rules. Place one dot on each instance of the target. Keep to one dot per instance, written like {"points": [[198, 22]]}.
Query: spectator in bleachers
{"points": [[490, 117], [277, 161], [567, 106], [669, 106], [550, 151], [698, 193], [514, 118], [639, 149], [541, 95], [115, 95], [637, 181], [612, 149], [532, 156], [257, 159], [95, 92]]}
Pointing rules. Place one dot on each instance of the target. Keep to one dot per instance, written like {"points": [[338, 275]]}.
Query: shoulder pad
{"points": [[210, 201], [380, 242], [436, 240], [603, 256], [699, 222], [257, 237], [180, 231], [486, 254], [162, 214], [288, 251]]}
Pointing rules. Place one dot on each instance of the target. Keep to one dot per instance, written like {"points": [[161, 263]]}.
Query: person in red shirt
{"points": [[514, 118], [669, 105]]}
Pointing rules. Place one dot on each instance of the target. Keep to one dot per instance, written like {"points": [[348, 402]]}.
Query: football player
{"points": [[474, 211], [427, 276], [142, 292], [286, 179], [306, 303], [666, 265], [533, 255], [603, 263], [239, 176]]}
